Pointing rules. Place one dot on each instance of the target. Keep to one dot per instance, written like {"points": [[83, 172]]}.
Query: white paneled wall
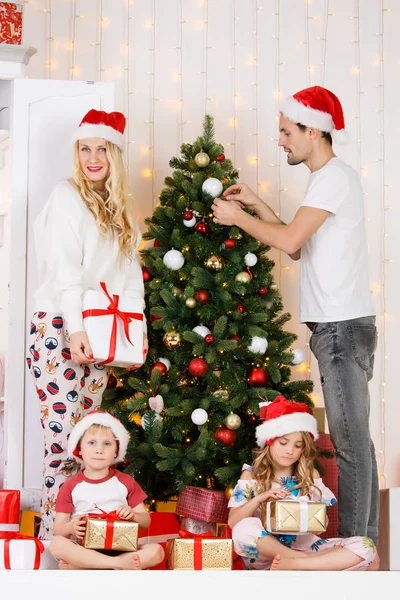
{"points": [[173, 60]]}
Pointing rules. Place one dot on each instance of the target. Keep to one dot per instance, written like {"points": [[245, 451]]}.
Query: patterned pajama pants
{"points": [[66, 392]]}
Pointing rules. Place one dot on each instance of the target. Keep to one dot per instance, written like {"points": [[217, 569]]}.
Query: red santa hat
{"points": [[100, 124], [282, 417], [98, 417], [319, 108]]}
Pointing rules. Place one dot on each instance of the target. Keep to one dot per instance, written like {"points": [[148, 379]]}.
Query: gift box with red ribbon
{"points": [[11, 22], [23, 552], [163, 527], [330, 479], [9, 510], [203, 504], [114, 325], [106, 531], [199, 552]]}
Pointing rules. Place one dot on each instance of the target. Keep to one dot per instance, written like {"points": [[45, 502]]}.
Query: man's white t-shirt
{"points": [[334, 283]]}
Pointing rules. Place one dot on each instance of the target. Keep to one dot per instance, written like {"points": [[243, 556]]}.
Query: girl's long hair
{"points": [[263, 468], [112, 210]]}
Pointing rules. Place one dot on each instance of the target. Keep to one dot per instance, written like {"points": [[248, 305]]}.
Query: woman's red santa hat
{"points": [[318, 108], [282, 417], [98, 417], [100, 124]]}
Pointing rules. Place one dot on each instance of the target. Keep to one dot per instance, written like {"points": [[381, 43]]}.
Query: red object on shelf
{"points": [[9, 510], [330, 479], [11, 23], [163, 527], [203, 504]]}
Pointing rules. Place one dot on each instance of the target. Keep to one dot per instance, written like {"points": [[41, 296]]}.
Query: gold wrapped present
{"points": [[294, 517], [319, 414], [199, 554], [108, 533]]}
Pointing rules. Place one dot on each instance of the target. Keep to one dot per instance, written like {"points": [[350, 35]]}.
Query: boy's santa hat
{"points": [[282, 417], [318, 108], [98, 417], [100, 124]]}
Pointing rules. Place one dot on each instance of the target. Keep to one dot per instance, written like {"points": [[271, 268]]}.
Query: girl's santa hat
{"points": [[98, 417], [282, 417], [100, 124], [318, 108]]}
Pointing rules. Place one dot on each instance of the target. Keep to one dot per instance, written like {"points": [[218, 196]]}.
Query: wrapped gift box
{"points": [[11, 22], [110, 534], [27, 525], [26, 554], [293, 517], [199, 554], [319, 414], [9, 510], [389, 530], [163, 527], [110, 322], [203, 504], [330, 479]]}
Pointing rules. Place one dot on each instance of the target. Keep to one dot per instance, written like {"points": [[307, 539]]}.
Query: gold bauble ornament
{"points": [[233, 421], [242, 277], [202, 159], [223, 394], [214, 263], [177, 292], [172, 339], [190, 302], [274, 287], [135, 418]]}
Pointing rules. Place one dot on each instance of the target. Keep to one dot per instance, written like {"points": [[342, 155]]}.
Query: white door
{"points": [[43, 116]]}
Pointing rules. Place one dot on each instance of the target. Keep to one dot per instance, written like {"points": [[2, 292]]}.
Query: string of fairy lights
{"points": [[52, 50]]}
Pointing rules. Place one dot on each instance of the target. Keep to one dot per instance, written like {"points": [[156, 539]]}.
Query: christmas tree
{"points": [[217, 343]]}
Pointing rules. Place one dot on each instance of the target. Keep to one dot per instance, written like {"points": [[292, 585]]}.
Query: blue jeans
{"points": [[345, 354]]}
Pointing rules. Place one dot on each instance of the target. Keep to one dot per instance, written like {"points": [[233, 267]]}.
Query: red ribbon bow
{"points": [[113, 309], [110, 519], [7, 536], [198, 545]]}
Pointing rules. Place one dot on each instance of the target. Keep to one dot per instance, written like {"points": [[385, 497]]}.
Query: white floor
{"points": [[192, 585]]}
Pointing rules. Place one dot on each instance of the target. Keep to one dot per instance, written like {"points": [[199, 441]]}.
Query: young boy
{"points": [[98, 441]]}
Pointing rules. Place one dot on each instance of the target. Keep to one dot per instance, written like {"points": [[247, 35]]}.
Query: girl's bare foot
{"points": [[129, 561], [374, 566], [275, 563]]}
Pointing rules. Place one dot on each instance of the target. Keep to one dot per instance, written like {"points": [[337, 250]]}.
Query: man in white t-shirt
{"points": [[328, 234]]}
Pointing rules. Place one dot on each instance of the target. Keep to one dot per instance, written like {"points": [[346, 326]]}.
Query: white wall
{"points": [[174, 60]]}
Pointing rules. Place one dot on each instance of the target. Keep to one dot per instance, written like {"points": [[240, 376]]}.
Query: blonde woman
{"points": [[284, 469], [85, 234]]}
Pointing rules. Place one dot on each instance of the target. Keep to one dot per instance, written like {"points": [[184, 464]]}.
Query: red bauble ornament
{"points": [[147, 276], [161, 367], [157, 244], [187, 215], [257, 377], [262, 291], [202, 296], [240, 308], [209, 339], [154, 318], [220, 158], [230, 243], [112, 382], [236, 338], [198, 367], [203, 228], [225, 436]]}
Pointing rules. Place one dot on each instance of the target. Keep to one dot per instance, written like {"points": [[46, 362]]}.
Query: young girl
{"points": [[98, 441], [85, 234], [283, 468]]}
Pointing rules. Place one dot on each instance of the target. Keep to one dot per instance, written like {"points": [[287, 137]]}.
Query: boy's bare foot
{"points": [[129, 561], [374, 566], [275, 563], [66, 566]]}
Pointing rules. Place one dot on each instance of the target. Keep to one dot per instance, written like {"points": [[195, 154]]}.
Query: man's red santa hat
{"points": [[282, 417], [98, 417], [100, 124], [318, 108]]}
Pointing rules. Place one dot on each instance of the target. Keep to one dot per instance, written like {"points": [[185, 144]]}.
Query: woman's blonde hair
{"points": [[112, 210], [263, 467]]}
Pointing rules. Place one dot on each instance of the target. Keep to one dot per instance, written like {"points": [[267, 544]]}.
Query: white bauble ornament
{"points": [[269, 305], [189, 223], [165, 362], [201, 330], [213, 187], [298, 356], [258, 345], [145, 420], [250, 259], [156, 403], [174, 260], [199, 416]]}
